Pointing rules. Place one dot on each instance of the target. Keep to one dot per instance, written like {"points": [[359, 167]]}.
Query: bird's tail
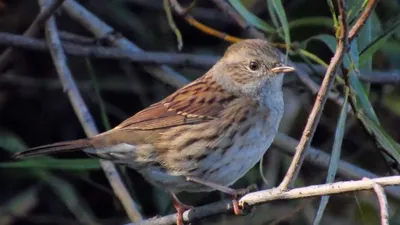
{"points": [[59, 147]]}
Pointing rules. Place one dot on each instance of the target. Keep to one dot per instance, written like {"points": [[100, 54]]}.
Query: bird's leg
{"points": [[180, 208], [235, 193]]}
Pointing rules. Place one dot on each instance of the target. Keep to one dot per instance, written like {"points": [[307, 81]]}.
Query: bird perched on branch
{"points": [[204, 136]]}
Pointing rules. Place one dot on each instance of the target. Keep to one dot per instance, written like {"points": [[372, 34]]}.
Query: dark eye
{"points": [[254, 65]]}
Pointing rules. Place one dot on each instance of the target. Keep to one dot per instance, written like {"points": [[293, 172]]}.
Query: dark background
{"points": [[34, 110]]}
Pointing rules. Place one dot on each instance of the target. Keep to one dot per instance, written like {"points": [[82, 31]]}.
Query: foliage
{"points": [[71, 188]]}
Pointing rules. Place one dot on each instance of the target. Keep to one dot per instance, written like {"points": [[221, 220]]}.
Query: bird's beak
{"points": [[283, 69]]}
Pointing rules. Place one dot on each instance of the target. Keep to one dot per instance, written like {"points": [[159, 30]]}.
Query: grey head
{"points": [[251, 67]]}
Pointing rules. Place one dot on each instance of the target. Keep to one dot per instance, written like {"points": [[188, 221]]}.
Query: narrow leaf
{"points": [[335, 157], [280, 11], [52, 163], [377, 43], [250, 17]]}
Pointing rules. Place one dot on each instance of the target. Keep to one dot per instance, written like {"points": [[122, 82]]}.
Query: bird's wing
{"points": [[197, 102]]}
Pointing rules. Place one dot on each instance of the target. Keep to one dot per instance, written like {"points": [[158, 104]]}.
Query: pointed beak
{"points": [[283, 69]]}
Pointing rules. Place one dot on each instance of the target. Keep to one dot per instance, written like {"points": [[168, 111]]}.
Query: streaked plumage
{"points": [[215, 128]]}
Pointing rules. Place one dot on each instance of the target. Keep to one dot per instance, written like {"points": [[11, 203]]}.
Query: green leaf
{"points": [[329, 40], [11, 142], [250, 17], [377, 43], [382, 137], [333, 12], [309, 21], [365, 111], [335, 157], [273, 15], [352, 58], [51, 163], [391, 50], [280, 11], [362, 100]]}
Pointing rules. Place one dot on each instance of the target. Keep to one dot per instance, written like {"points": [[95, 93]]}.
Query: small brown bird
{"points": [[207, 134]]}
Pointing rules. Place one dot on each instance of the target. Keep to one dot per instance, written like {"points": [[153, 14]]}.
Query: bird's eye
{"points": [[254, 65]]}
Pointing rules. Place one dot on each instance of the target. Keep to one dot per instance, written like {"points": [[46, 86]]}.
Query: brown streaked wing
{"points": [[197, 102]]}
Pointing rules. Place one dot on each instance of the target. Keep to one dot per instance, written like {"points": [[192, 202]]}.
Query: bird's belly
{"points": [[222, 166], [245, 152]]}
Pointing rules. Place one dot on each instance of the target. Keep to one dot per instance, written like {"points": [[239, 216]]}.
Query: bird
{"points": [[204, 136]]}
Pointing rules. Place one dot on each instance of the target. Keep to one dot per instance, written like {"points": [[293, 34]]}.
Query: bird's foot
{"points": [[235, 193], [180, 208]]}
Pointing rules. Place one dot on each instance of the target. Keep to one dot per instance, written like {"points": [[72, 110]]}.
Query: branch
{"points": [[320, 159], [83, 113], [383, 203], [322, 96], [262, 197], [112, 52], [363, 18], [192, 21], [77, 39], [204, 14], [101, 30], [169, 58], [31, 31]]}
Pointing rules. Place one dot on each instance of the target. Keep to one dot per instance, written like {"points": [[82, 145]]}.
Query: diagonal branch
{"points": [[101, 30], [320, 101], [363, 18], [83, 113]]}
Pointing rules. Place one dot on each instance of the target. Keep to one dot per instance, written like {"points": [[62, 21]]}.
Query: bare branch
{"points": [[262, 197], [32, 31], [320, 101], [101, 30], [320, 158], [192, 21], [168, 58], [383, 203], [83, 113], [363, 18]]}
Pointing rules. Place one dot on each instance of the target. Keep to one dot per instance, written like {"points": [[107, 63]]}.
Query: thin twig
{"points": [[320, 101], [262, 197], [101, 30], [77, 39], [204, 14], [363, 18], [320, 159], [172, 24], [168, 58], [107, 84], [206, 29], [31, 31], [383, 203], [83, 113]]}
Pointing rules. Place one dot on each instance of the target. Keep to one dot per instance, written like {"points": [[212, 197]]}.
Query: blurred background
{"points": [[72, 188]]}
